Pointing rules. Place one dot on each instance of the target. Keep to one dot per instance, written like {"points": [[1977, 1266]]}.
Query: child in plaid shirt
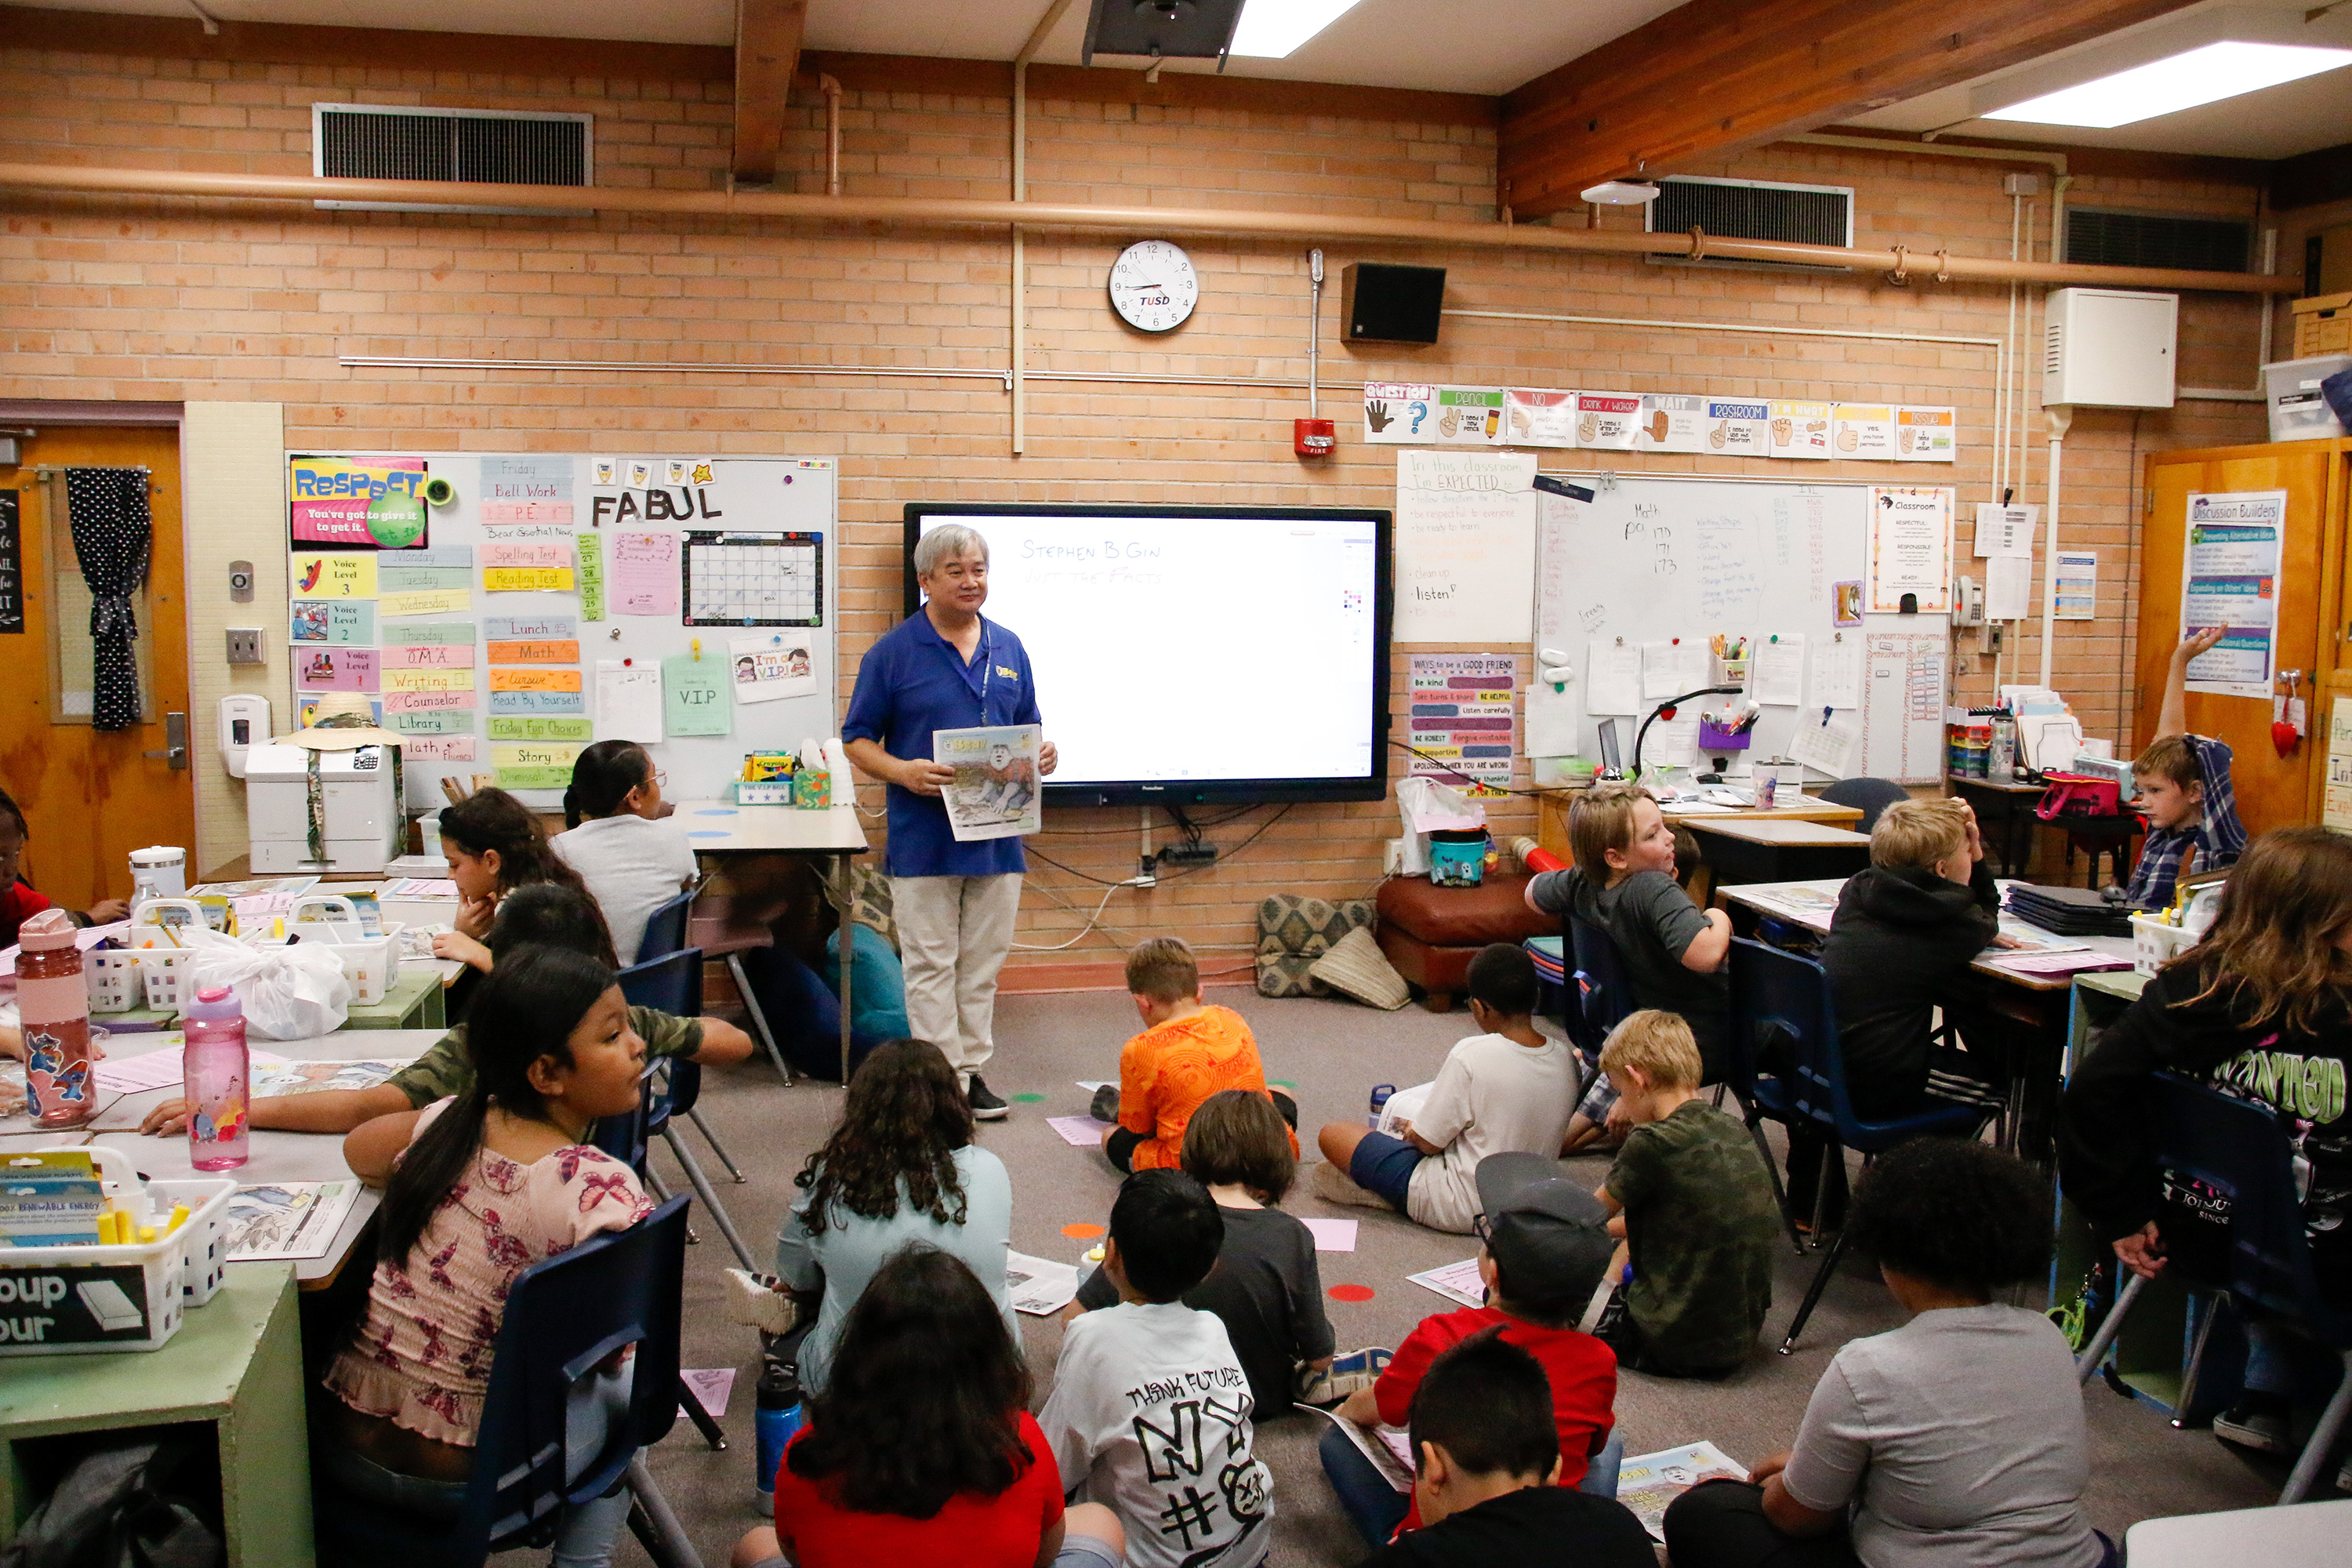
{"points": [[2185, 792]]}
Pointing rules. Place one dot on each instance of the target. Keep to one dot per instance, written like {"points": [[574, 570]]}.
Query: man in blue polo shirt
{"points": [[949, 668]]}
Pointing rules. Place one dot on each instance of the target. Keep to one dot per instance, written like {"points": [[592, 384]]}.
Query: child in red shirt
{"points": [[18, 900], [922, 1448], [1547, 1246]]}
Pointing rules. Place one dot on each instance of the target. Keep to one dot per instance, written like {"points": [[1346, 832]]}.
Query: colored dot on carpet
{"points": [[1280, 1083], [1081, 1231], [1351, 1293], [1027, 1098]]}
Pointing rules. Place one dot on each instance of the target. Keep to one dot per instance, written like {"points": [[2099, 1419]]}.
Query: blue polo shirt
{"points": [[913, 682]]}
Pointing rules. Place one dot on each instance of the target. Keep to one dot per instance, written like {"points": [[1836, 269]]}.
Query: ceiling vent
{"points": [[2100, 238], [373, 141], [1754, 209]]}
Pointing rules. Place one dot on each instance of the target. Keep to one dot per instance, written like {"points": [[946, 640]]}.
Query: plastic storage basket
{"points": [[161, 971], [370, 962], [134, 1294], [111, 975], [2156, 944]]}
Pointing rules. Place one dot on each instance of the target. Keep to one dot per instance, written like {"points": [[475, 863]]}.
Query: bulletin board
{"points": [[543, 601], [1652, 559]]}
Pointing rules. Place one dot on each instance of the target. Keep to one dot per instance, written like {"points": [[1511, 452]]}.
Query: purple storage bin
{"points": [[1713, 739]]}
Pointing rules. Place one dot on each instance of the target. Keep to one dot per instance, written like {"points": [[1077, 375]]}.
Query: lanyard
{"points": [[987, 664]]}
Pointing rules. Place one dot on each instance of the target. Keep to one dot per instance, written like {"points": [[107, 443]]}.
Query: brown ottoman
{"points": [[1431, 933]]}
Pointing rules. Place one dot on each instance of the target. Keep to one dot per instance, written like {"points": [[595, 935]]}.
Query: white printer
{"points": [[364, 828]]}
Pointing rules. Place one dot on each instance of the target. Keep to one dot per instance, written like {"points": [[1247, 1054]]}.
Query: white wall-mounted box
{"points": [[2109, 348]]}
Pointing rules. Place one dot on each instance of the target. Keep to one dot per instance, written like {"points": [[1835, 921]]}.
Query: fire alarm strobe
{"points": [[1313, 437]]}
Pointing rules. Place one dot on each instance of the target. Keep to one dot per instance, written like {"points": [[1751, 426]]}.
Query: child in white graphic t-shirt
{"points": [[1150, 1410]]}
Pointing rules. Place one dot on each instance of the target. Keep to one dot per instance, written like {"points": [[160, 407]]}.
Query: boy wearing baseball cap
{"points": [[1546, 1248]]}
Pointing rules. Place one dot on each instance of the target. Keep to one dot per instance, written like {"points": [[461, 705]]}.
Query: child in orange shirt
{"points": [[1187, 1052]]}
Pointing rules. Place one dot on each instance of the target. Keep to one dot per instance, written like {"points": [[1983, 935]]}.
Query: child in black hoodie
{"points": [[2262, 1008], [1907, 927]]}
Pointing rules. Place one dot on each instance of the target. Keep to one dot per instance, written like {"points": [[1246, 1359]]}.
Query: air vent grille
{"points": [[1755, 209], [365, 142], [2098, 238]]}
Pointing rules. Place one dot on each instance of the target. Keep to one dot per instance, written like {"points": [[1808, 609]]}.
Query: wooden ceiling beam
{"points": [[767, 49], [1713, 77]]}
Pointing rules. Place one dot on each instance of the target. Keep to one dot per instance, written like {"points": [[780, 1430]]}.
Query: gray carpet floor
{"points": [[1333, 1051]]}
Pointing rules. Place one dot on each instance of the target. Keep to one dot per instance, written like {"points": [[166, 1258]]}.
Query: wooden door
{"points": [[2272, 790], [92, 796]]}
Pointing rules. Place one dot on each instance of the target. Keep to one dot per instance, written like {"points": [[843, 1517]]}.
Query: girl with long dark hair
{"points": [[621, 840], [493, 845], [901, 1167], [922, 1449], [495, 1180]]}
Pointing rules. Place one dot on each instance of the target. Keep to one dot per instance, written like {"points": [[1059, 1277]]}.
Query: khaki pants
{"points": [[954, 934]]}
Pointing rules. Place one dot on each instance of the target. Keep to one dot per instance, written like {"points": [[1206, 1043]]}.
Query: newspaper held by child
{"points": [[1646, 1484]]}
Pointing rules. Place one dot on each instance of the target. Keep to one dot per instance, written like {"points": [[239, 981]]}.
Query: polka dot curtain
{"points": [[111, 531]]}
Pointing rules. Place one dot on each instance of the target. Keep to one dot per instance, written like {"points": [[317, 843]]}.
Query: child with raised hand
{"points": [[2184, 791], [496, 1180], [541, 914], [1507, 1087], [922, 1449], [2262, 1007], [1623, 882], [1546, 1248], [1693, 1200], [1486, 1454], [1151, 1409], [1188, 1051], [1267, 1286], [620, 839]]}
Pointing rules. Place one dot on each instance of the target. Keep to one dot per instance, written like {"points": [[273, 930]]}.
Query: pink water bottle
{"points": [[54, 1003], [217, 1072]]}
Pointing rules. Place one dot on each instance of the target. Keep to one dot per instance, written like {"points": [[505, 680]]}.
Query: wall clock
{"points": [[1153, 286]]}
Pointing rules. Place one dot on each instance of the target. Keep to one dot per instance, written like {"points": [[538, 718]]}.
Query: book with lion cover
{"points": [[994, 792]]}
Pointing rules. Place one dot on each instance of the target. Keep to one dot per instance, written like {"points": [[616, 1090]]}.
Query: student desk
{"points": [[1757, 849], [2037, 1009], [718, 828], [2006, 804], [235, 1364], [1552, 805], [2307, 1533]]}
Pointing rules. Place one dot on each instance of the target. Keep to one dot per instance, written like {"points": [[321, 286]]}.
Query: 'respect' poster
{"points": [[356, 504]]}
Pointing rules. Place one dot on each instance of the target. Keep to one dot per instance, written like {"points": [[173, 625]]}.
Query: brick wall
{"points": [[253, 302]]}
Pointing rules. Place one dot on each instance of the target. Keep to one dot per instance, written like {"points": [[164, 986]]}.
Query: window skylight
{"points": [[1271, 29], [2162, 87]]}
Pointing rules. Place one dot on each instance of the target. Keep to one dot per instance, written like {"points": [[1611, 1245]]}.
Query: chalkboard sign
{"points": [[11, 566]]}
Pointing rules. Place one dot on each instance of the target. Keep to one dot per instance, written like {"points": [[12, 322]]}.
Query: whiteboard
{"points": [[750, 494], [1653, 558]]}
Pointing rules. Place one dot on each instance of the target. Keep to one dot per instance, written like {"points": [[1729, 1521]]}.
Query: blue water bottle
{"points": [[778, 1397], [1380, 1092]]}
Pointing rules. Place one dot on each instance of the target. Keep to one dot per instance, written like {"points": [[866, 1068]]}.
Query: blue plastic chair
{"points": [[562, 1317], [1781, 996], [672, 1085], [2239, 1148], [1868, 796], [665, 935]]}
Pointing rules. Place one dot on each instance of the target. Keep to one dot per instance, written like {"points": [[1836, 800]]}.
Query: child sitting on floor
{"points": [[1506, 1088], [1694, 1203], [1485, 1452], [1546, 1251], [1265, 1286], [1187, 1052], [1150, 1410]]}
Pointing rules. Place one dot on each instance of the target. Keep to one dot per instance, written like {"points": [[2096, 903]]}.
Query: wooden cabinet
{"points": [[2272, 790]]}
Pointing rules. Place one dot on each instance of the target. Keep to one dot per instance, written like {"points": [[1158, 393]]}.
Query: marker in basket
{"points": [[179, 1218]]}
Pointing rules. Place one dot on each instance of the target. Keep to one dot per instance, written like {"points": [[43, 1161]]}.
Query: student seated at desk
{"points": [[2262, 1007], [543, 913], [493, 844], [1623, 882], [2184, 791], [621, 841], [496, 1180], [1907, 927], [17, 898]]}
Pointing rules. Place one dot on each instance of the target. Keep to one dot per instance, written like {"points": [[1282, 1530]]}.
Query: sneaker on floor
{"points": [[985, 1106], [1335, 1185], [1347, 1374], [1105, 1105], [2258, 1421]]}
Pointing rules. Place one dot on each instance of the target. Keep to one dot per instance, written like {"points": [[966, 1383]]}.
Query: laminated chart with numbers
{"points": [[755, 579]]}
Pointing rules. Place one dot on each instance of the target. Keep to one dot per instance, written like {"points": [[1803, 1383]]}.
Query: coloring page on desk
{"points": [[288, 1220], [1655, 558], [488, 635]]}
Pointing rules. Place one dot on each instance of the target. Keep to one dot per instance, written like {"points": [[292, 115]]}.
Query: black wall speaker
{"points": [[1387, 304]]}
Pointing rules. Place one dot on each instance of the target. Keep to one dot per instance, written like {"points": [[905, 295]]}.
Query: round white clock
{"points": [[1153, 286]]}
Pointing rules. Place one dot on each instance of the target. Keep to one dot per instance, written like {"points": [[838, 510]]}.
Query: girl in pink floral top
{"points": [[494, 1181]]}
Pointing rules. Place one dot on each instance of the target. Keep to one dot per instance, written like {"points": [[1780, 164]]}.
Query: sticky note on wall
{"points": [[534, 765], [527, 579], [513, 679]]}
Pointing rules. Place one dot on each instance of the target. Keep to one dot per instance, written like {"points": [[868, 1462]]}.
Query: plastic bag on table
{"points": [[1426, 807], [290, 993]]}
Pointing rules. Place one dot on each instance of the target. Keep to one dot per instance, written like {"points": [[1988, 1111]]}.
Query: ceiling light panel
{"points": [[2168, 86], [1271, 29]]}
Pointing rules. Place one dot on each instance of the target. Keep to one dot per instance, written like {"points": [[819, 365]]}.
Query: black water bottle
{"points": [[778, 1416]]}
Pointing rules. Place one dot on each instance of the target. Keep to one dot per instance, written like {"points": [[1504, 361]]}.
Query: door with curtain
{"points": [[2272, 790], [93, 793]]}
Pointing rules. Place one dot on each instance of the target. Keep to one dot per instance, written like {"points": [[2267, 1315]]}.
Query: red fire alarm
{"points": [[1313, 437]]}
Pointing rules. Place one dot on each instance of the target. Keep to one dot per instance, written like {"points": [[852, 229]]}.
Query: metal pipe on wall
{"points": [[831, 87], [2061, 417], [571, 200], [1020, 279]]}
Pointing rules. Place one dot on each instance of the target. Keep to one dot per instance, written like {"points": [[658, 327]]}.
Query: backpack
{"points": [[118, 1508], [2078, 794]]}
